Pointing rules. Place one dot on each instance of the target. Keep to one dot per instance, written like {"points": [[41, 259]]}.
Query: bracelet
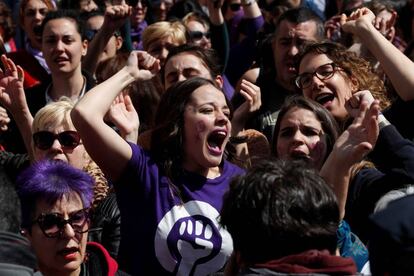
{"points": [[382, 121]]}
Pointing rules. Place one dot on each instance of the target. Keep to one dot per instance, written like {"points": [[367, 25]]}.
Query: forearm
{"points": [[24, 121], [395, 64], [97, 101], [337, 175], [95, 49], [252, 10]]}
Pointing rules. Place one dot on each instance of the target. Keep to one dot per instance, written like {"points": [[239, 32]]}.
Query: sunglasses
{"points": [[197, 35], [53, 224], [44, 139], [235, 6], [90, 34]]}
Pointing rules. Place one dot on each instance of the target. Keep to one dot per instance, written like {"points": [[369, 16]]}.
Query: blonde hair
{"points": [[57, 114], [53, 114], [195, 16], [154, 32]]}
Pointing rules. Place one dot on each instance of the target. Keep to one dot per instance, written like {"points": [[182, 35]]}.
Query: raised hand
{"points": [[142, 66], [353, 104], [253, 102], [116, 15], [4, 119], [363, 16], [360, 137], [12, 95], [124, 116]]}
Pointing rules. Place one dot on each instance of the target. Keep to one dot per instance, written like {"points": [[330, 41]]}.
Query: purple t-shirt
{"points": [[164, 234]]}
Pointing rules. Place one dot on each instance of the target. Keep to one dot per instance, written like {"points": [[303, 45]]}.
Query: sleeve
{"points": [[394, 157], [220, 42]]}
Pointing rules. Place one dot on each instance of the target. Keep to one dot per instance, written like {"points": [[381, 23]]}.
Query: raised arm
{"points": [[124, 116], [115, 17], [350, 148], [104, 145], [12, 97], [398, 67]]}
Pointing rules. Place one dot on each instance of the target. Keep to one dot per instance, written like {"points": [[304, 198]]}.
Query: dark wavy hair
{"points": [[167, 137], [328, 122], [280, 208], [354, 66]]}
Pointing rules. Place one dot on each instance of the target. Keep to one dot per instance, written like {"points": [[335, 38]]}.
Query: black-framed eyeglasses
{"points": [[323, 72], [197, 35], [53, 224], [235, 6], [44, 139]]}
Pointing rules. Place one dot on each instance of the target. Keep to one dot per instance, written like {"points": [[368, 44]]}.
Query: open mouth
{"points": [[299, 155], [215, 141], [37, 30], [324, 98]]}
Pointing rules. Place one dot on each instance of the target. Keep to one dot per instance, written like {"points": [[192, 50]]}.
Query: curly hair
{"points": [[355, 67]]}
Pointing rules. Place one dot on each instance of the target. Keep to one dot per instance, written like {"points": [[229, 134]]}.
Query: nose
{"points": [[181, 77], [298, 137], [38, 16], [221, 118], [68, 231], [163, 54], [162, 6], [59, 45], [56, 146], [293, 50]]}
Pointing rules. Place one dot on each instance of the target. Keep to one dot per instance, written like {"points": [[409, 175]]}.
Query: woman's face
{"points": [[301, 136], [75, 156], [33, 15], [139, 11], [160, 9], [161, 47], [65, 253], [62, 46], [199, 34], [206, 129], [332, 92]]}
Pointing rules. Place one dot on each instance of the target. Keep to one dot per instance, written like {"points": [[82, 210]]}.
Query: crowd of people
{"points": [[193, 137]]}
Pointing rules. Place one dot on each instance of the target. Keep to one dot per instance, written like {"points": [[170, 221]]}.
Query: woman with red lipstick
{"points": [[55, 201], [170, 196]]}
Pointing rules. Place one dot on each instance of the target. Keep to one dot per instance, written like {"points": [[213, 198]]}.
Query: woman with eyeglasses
{"points": [[55, 202], [329, 74]]}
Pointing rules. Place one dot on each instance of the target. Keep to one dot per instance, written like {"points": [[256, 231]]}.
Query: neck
{"points": [[209, 173], [66, 85]]}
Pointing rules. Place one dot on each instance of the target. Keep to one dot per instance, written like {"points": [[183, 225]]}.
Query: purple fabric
{"points": [[136, 35], [163, 234], [243, 54]]}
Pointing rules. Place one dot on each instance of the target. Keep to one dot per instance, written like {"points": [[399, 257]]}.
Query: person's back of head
{"points": [[280, 208], [391, 240]]}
